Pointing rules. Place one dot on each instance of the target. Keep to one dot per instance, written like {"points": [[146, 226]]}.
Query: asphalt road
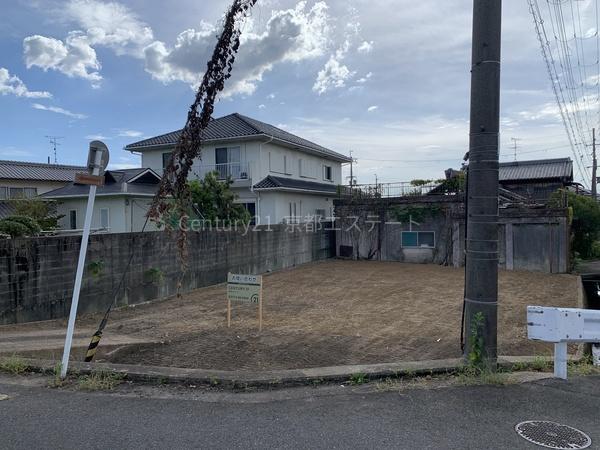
{"points": [[475, 417]]}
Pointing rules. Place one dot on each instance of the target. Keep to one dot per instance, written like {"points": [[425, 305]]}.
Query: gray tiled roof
{"points": [[22, 170], [539, 169], [116, 182], [238, 126], [272, 182]]}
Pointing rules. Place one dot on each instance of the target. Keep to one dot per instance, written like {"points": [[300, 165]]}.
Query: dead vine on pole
{"points": [[173, 196]]}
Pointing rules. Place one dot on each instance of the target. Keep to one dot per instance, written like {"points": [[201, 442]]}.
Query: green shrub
{"points": [[32, 226], [42, 211], [586, 221], [13, 229], [595, 249]]}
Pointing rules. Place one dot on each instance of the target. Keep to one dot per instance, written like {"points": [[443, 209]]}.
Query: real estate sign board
{"points": [[244, 289]]}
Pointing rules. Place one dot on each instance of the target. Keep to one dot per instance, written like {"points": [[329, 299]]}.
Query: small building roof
{"points": [[23, 170], [291, 184], [132, 182], [236, 126], [538, 169]]}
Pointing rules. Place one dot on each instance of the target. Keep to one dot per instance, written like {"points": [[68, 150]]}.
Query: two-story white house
{"points": [[278, 176]]}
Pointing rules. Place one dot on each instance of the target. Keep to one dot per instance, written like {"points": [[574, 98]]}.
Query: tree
{"points": [[42, 211], [213, 199], [19, 226], [585, 226]]}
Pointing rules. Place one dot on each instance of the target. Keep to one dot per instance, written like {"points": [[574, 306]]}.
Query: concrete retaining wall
{"points": [[37, 275]]}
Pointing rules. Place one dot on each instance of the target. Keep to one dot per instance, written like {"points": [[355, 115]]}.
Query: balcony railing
{"points": [[235, 171]]}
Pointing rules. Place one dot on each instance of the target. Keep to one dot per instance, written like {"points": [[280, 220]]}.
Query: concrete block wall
{"points": [[37, 274], [535, 239]]}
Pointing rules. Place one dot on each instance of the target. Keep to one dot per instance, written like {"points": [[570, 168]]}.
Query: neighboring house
{"points": [[21, 179], [120, 205], [278, 176], [536, 179]]}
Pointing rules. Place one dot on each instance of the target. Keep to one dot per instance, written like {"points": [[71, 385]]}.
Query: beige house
{"points": [[21, 179]]}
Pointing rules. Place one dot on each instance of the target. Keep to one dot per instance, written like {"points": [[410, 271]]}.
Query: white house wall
{"points": [[256, 155], [280, 161], [275, 206], [135, 214], [264, 158], [121, 213]]}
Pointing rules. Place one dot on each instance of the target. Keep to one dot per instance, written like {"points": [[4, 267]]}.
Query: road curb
{"points": [[273, 378]]}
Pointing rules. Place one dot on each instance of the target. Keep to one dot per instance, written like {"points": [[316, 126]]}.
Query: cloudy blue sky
{"points": [[387, 79]]}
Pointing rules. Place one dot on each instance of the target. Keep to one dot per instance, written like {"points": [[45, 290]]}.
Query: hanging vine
{"points": [[173, 199]]}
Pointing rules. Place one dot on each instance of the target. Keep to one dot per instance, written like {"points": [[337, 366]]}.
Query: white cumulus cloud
{"points": [[11, 84], [333, 75], [56, 109], [298, 34], [373, 108], [74, 57], [291, 35], [365, 47], [110, 24]]}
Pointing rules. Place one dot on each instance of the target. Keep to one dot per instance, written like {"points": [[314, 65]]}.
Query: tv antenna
{"points": [[54, 142], [515, 140]]}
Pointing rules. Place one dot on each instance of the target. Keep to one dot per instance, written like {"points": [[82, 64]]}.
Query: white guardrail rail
{"points": [[562, 326]]}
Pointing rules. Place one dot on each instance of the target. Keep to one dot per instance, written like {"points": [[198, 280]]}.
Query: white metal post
{"points": [[80, 266], [560, 360]]}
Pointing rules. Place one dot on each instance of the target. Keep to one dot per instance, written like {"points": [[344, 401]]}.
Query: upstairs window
{"points": [[327, 173], [3, 193], [227, 162]]}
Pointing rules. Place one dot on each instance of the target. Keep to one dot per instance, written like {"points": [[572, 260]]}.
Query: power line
{"points": [[565, 51]]}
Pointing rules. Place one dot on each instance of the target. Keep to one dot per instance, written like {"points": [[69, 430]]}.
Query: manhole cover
{"points": [[553, 435]]}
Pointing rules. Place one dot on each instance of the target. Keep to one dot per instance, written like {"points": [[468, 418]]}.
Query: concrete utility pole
{"points": [[481, 274], [594, 166]]}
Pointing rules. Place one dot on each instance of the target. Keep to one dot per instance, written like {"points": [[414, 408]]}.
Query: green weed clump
{"points": [[100, 381], [14, 365]]}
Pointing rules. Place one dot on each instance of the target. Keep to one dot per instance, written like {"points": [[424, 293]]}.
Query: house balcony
{"points": [[238, 172]]}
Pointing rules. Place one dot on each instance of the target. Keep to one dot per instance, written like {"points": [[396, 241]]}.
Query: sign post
{"points": [[97, 161], [244, 289]]}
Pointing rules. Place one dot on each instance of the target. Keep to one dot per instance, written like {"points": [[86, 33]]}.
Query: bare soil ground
{"points": [[324, 314]]}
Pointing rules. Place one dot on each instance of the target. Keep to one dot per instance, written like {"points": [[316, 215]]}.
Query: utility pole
{"points": [[481, 272], [594, 166], [515, 140], [54, 142]]}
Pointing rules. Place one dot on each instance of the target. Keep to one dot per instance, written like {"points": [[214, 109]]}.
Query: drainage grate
{"points": [[553, 435]]}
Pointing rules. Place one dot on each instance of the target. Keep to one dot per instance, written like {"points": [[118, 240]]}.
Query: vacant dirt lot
{"points": [[323, 314]]}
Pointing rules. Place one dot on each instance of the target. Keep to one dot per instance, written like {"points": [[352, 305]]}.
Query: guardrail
{"points": [[562, 326]]}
